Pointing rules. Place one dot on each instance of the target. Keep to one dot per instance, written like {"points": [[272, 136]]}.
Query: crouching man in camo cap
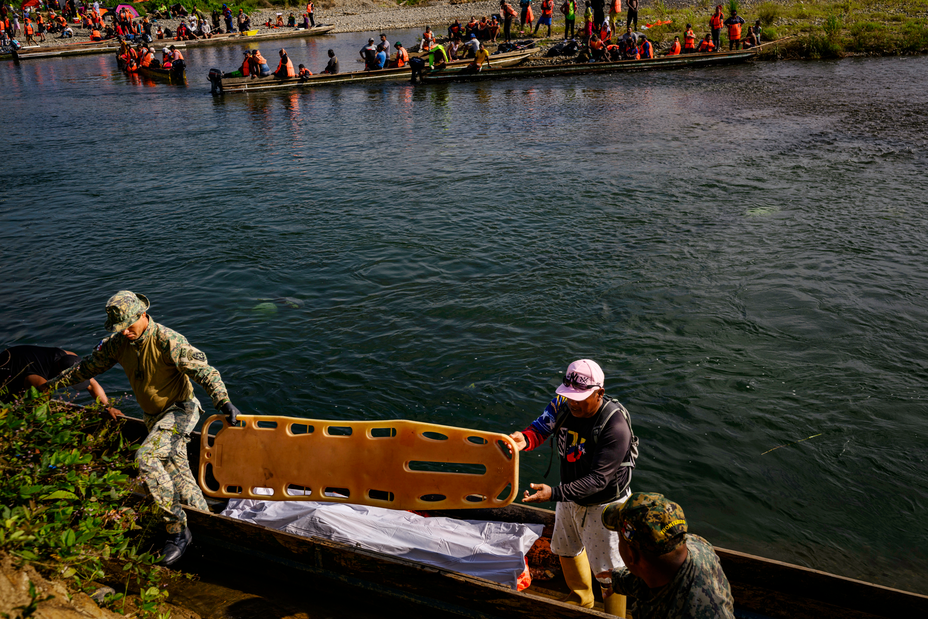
{"points": [[159, 364], [668, 572]]}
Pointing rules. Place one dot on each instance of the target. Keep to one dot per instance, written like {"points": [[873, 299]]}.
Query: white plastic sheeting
{"points": [[492, 550]]}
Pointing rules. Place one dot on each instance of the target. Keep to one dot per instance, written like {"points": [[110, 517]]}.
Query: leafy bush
{"points": [[915, 36], [817, 46], [832, 26], [65, 498]]}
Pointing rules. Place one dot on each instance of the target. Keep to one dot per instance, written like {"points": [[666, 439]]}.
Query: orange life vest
{"points": [[689, 40], [675, 49], [402, 57], [706, 46], [597, 45], [547, 8], [288, 68], [176, 55], [734, 32], [95, 34], [246, 71], [304, 72], [509, 11], [646, 50], [616, 6], [146, 60], [29, 30], [715, 22], [604, 33]]}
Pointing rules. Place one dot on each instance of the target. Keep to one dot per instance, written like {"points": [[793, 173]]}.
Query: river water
{"points": [[742, 249]]}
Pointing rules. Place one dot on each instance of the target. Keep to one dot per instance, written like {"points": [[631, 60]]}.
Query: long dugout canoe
{"points": [[105, 47], [761, 587], [270, 83], [582, 68]]}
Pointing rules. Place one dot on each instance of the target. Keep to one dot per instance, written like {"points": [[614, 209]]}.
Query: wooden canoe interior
{"points": [[761, 587]]}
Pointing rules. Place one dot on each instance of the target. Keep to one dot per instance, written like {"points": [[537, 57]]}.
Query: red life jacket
{"points": [[706, 46], [402, 57], [547, 8], [715, 22], [288, 68], [734, 32], [675, 49], [646, 50]]}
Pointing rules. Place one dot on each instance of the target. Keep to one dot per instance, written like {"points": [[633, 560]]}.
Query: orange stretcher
{"points": [[398, 464]]}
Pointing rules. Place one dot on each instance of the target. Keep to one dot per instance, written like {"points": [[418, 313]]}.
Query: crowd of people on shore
{"points": [[33, 24]]}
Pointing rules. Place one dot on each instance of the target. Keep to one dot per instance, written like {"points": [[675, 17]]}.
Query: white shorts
{"points": [[577, 527]]}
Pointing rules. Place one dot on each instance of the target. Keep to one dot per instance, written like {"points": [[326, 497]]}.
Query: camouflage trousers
{"points": [[163, 463]]}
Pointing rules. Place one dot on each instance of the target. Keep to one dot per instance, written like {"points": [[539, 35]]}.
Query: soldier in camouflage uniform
{"points": [[159, 364], [668, 572]]}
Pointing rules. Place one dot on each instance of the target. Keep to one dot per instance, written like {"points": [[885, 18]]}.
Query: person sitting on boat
{"points": [[332, 66], [613, 53], [402, 57], [675, 48], [428, 39], [453, 48], [689, 40], [597, 49], [734, 23], [177, 59], [631, 50], [244, 70], [706, 45], [259, 66], [669, 572], [749, 40], [471, 47], [285, 67], [547, 14], [368, 54], [303, 73], [165, 58], [597, 451], [148, 57], [480, 59], [756, 30], [380, 58], [645, 49]]}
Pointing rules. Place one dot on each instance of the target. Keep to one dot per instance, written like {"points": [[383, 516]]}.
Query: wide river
{"points": [[743, 249]]}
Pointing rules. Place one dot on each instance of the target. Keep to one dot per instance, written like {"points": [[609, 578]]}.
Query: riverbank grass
{"points": [[67, 507]]}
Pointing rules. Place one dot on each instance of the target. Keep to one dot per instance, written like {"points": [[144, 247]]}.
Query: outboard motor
{"points": [[215, 80]]}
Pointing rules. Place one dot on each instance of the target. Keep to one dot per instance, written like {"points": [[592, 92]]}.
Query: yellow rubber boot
{"points": [[579, 580], [614, 604]]}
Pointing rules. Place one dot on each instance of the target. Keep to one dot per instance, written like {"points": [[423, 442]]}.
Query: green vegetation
{"points": [[66, 505], [817, 28]]}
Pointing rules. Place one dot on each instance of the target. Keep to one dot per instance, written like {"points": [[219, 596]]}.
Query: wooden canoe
{"points": [[157, 73], [105, 47], [761, 587], [270, 83], [663, 63]]}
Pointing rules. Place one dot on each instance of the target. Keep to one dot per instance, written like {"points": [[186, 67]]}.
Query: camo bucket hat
{"points": [[124, 308], [648, 521]]}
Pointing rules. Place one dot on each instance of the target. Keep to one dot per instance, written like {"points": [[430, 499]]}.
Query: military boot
{"points": [[175, 546]]}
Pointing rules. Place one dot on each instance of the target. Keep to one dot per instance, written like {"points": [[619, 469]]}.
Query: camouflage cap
{"points": [[648, 522], [124, 308]]}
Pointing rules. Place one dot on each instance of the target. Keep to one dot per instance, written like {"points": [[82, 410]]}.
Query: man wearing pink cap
{"points": [[597, 451]]}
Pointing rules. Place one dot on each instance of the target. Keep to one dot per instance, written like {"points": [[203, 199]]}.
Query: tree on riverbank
{"points": [[67, 507]]}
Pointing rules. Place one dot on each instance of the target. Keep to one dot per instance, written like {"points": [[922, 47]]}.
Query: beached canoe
{"points": [[222, 85], [105, 47], [761, 587], [453, 74]]}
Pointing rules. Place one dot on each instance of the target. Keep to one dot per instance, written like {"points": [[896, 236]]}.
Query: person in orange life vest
{"points": [[689, 40], [493, 29], [402, 56], [165, 58], [615, 13], [428, 39], [715, 24], [631, 51], [175, 54], [95, 35], [547, 13], [284, 67], [507, 13], [304, 73], [675, 48], [646, 49], [30, 32], [471, 26], [613, 53], [706, 45], [597, 49], [147, 58], [605, 33], [526, 15], [310, 12], [734, 23]]}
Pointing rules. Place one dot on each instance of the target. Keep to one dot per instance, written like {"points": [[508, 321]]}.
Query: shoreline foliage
{"points": [[67, 506]]}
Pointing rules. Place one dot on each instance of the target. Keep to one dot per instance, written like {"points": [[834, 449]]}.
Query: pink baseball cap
{"points": [[582, 378]]}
